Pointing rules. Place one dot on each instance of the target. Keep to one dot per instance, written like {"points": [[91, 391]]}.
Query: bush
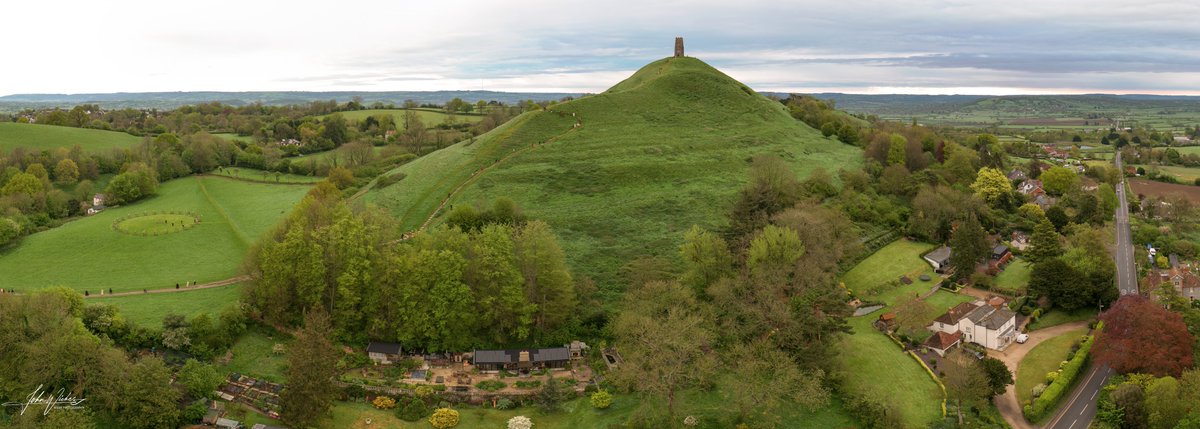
{"points": [[520, 422], [528, 384], [601, 400], [981, 280], [444, 418], [491, 385], [1039, 389], [505, 404], [1051, 376], [384, 403], [414, 409], [423, 391]]}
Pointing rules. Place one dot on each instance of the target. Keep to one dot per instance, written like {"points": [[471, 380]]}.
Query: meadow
{"points": [[148, 310], [429, 117], [1041, 360], [251, 174], [235, 137], [871, 278], [874, 366], [46, 137], [88, 254], [666, 149]]}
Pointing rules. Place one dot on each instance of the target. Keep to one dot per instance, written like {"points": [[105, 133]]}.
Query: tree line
{"points": [[443, 290]]}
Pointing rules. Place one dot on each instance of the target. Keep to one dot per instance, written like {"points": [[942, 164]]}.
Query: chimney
{"points": [[678, 47]]}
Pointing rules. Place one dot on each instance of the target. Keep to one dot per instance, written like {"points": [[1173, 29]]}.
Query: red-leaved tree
{"points": [[1141, 336]]}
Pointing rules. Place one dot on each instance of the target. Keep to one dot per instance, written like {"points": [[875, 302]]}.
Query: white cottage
{"points": [[992, 326]]}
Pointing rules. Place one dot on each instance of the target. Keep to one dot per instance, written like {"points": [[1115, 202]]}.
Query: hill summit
{"points": [[620, 174]]}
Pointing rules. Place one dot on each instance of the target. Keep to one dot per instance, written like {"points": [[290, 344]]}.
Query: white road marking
{"points": [[1084, 409], [1094, 395], [1072, 424]]}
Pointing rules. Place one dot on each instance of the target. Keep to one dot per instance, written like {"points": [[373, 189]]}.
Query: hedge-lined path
{"points": [[219, 283], [1007, 403]]}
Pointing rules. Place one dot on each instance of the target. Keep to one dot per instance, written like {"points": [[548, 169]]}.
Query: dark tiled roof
{"points": [[998, 318], [512, 356], [952, 316], [999, 249], [385, 348]]}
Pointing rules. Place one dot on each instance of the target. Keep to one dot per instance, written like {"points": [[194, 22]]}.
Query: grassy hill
{"points": [[89, 254], [659, 152], [40, 137]]}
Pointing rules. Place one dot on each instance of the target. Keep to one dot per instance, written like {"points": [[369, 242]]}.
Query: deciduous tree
{"points": [[1140, 336], [969, 244], [663, 334], [965, 381], [312, 366]]}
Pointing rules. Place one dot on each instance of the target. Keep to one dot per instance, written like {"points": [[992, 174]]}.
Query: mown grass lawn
{"points": [[253, 355], [874, 366], [1041, 360], [1014, 278], [148, 310], [578, 413], [870, 278], [87, 254], [44, 137], [1057, 317]]}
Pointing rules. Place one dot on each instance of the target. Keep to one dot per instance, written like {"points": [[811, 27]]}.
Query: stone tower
{"points": [[678, 47]]}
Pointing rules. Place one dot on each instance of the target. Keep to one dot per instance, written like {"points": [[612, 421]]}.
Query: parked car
{"points": [[1022, 338]]}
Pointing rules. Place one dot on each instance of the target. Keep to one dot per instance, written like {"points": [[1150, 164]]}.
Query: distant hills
{"points": [[624, 173], [890, 104], [171, 100]]}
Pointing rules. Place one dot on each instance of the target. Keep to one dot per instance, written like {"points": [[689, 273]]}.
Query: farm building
{"points": [[939, 259], [521, 359], [383, 353]]}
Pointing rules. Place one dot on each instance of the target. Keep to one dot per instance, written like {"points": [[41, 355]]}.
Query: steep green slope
{"points": [[663, 150], [39, 137]]}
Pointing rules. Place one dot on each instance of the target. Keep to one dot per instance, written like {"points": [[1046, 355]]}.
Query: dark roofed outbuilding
{"points": [[514, 359], [384, 353]]}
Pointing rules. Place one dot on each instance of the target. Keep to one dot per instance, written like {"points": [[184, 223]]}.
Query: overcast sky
{"points": [[889, 46]]}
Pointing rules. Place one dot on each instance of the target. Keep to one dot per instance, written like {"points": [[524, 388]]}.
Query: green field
{"points": [[875, 367], [235, 137], [253, 355], [44, 137], [156, 224], [1014, 278], [1185, 175], [263, 176], [88, 254], [1186, 150], [661, 151], [579, 413], [148, 310], [1041, 360], [869, 280], [429, 117]]}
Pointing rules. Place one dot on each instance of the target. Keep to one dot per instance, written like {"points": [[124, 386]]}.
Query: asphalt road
{"points": [[1081, 406]]}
